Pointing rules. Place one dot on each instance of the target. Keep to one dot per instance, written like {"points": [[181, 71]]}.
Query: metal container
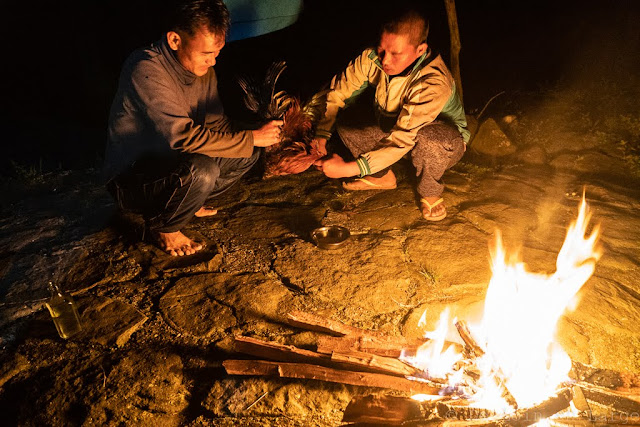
{"points": [[330, 237]]}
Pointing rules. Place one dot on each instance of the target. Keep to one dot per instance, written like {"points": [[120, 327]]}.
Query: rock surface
{"points": [[158, 328]]}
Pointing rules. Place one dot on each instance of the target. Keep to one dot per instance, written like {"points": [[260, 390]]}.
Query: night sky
{"points": [[62, 59]]}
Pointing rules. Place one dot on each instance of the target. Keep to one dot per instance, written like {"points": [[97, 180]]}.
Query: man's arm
{"points": [[344, 86], [153, 92]]}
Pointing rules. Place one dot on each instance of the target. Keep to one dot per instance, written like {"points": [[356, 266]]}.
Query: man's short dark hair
{"points": [[190, 16], [409, 22]]}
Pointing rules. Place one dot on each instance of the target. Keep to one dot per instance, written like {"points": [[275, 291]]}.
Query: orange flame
{"points": [[521, 312]]}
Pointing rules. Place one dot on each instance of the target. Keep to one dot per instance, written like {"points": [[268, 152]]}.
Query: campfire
{"points": [[506, 370]]}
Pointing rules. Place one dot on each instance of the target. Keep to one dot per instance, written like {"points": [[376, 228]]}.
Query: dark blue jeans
{"points": [[169, 190]]}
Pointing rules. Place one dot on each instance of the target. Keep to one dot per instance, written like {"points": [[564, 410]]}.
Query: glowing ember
{"points": [[518, 326]]}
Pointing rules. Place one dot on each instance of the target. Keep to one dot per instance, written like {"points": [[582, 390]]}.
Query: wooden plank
{"points": [[279, 352], [356, 359], [321, 373], [387, 346], [349, 360], [623, 402]]}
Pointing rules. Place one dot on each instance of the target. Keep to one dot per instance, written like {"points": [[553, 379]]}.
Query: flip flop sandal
{"points": [[431, 206], [365, 184]]}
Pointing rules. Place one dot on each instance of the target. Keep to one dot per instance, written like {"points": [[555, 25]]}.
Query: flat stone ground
{"points": [[156, 328]]}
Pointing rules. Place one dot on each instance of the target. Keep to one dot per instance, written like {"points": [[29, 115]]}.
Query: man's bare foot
{"points": [[433, 208], [176, 243], [202, 212]]}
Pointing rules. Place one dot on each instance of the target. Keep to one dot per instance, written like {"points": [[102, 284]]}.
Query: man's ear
{"points": [[174, 40], [422, 48]]}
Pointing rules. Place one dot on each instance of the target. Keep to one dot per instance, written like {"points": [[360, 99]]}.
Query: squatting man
{"points": [[170, 148], [416, 112]]}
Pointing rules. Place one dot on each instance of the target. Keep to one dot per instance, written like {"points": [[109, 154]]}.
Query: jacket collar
{"points": [[185, 76]]}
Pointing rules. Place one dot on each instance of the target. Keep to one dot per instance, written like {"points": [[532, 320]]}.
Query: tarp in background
{"points": [[250, 18]]}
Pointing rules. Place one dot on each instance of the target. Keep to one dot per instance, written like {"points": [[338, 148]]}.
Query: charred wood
{"points": [[374, 409], [618, 401], [477, 351]]}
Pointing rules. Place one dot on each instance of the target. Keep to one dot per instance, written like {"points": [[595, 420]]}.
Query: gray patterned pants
{"points": [[438, 147]]}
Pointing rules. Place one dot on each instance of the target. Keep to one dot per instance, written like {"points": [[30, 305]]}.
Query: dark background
{"points": [[62, 59]]}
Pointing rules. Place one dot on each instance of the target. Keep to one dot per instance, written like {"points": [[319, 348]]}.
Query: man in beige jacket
{"points": [[417, 112]]}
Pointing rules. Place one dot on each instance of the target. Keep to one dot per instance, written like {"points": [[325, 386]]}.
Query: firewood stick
{"points": [[534, 414], [596, 421], [384, 364], [522, 417], [376, 409], [381, 346], [279, 352], [471, 343], [321, 373], [477, 351], [623, 402], [348, 360]]}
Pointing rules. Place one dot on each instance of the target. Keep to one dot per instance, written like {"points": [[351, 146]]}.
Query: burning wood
{"points": [[340, 363], [381, 410], [476, 350], [379, 345]]}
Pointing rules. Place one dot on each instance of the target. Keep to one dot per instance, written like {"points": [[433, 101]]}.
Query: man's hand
{"points": [[268, 134], [319, 147], [336, 167]]}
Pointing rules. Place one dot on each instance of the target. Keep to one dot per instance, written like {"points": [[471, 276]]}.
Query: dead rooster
{"points": [[293, 154]]}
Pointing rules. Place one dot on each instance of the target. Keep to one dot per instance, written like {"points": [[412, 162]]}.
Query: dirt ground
{"points": [[156, 328]]}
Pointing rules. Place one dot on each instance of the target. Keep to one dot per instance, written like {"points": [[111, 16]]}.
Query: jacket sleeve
{"points": [[424, 102], [155, 95], [344, 86]]}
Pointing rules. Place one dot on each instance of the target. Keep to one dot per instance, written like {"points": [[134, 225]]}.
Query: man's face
{"points": [[396, 52], [199, 52]]}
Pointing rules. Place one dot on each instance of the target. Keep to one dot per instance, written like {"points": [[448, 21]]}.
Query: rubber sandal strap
{"points": [[366, 181], [431, 206]]}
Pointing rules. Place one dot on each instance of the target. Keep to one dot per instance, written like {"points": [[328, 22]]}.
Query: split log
{"points": [[379, 345], [623, 381], [520, 418], [592, 422], [392, 410], [621, 402], [476, 350], [379, 363], [279, 352], [348, 360], [472, 345], [461, 409], [321, 373], [387, 346]]}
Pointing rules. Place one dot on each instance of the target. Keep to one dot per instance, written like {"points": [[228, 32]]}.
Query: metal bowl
{"points": [[330, 237]]}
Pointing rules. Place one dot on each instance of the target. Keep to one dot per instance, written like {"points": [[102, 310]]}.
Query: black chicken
{"points": [[293, 153]]}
